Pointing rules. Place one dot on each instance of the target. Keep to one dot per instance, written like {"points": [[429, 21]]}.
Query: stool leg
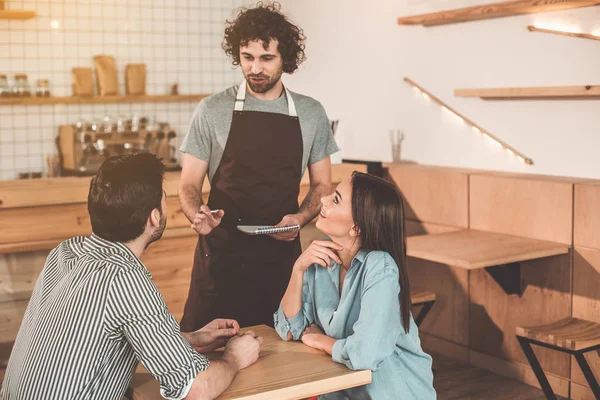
{"points": [[537, 368], [589, 375], [423, 312]]}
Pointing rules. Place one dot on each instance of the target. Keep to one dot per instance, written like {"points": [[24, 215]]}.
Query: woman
{"points": [[350, 297]]}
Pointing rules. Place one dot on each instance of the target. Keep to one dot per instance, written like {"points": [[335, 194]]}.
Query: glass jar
{"points": [[42, 88], [4, 90], [21, 85], [107, 124]]}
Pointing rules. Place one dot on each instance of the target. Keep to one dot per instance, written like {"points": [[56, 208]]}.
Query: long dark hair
{"points": [[378, 211]]}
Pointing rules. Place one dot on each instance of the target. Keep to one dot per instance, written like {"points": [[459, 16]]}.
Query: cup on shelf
{"points": [[396, 139]]}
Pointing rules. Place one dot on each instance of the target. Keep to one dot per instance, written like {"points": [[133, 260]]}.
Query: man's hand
{"points": [[290, 219], [242, 351], [314, 337], [204, 222], [212, 336]]}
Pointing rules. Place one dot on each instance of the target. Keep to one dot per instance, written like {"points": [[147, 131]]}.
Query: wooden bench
{"points": [[424, 298], [569, 335]]}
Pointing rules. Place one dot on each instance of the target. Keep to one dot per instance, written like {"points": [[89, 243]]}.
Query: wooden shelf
{"points": [[30, 101], [17, 14], [532, 28], [494, 10], [556, 92]]}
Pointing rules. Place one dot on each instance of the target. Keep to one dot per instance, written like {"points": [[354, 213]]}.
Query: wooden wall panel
{"points": [[11, 315], [586, 216], [494, 315], [40, 223], [18, 274], [538, 209], [519, 372], [62, 222], [432, 194], [586, 301], [310, 233], [448, 319], [581, 392], [416, 228], [434, 345], [63, 190]]}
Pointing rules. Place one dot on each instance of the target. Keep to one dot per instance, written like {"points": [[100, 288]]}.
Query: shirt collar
{"points": [[359, 257], [96, 243]]}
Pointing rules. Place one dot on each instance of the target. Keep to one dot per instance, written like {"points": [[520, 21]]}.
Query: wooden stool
{"points": [[420, 297], [569, 335]]}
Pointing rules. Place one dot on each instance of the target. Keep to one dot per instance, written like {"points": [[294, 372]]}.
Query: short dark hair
{"points": [[122, 195], [265, 22]]}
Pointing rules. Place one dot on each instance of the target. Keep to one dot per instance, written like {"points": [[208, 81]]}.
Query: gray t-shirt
{"points": [[209, 129]]}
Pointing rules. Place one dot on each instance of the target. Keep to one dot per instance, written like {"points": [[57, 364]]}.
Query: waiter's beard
{"points": [[159, 231], [269, 84]]}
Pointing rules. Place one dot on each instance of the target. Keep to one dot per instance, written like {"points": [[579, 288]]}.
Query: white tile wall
{"points": [[178, 40]]}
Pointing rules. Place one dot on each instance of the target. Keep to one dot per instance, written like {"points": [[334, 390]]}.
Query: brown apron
{"points": [[257, 182]]}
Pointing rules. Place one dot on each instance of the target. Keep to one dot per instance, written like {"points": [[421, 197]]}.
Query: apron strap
{"points": [[241, 97]]}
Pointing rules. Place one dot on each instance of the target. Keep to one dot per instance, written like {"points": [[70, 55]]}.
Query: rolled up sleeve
{"points": [[376, 331], [136, 311], [301, 320]]}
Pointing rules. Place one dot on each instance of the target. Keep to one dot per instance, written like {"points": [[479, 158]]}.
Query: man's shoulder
{"points": [[306, 103], [79, 248], [225, 97]]}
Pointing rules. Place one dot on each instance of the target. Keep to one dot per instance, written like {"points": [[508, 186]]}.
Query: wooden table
{"points": [[285, 370], [471, 249], [499, 254]]}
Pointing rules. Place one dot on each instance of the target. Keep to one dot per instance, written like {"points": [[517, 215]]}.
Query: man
{"points": [[95, 312], [254, 141]]}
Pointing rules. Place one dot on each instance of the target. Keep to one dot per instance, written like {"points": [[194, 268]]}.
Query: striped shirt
{"points": [[94, 313]]}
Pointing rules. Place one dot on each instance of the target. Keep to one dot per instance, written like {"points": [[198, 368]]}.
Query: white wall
{"points": [[358, 57], [179, 41]]}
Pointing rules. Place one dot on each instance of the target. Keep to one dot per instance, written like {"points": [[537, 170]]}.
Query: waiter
{"points": [[254, 141]]}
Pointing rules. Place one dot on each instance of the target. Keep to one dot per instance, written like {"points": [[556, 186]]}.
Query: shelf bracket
{"points": [[508, 276]]}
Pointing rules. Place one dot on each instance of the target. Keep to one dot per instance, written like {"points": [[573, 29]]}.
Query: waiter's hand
{"points": [[214, 335], [290, 219], [205, 222]]}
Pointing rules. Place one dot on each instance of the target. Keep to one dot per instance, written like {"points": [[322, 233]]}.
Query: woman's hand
{"points": [[319, 252], [314, 337]]}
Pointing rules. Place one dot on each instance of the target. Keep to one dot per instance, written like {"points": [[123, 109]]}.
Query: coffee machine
{"points": [[83, 147]]}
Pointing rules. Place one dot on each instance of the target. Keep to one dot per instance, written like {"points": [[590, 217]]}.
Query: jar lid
{"points": [[42, 80], [2, 76], [20, 76]]}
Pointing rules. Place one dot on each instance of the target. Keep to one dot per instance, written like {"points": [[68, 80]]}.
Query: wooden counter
{"points": [[37, 214]]}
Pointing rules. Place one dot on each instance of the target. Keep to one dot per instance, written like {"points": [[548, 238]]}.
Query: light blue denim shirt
{"points": [[366, 321]]}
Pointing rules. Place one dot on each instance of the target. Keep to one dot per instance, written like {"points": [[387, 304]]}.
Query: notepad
{"points": [[265, 229]]}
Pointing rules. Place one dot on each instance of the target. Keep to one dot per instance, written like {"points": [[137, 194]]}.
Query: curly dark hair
{"points": [[265, 22]]}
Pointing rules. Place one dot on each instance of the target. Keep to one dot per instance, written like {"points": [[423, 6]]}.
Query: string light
{"points": [[476, 128], [563, 30]]}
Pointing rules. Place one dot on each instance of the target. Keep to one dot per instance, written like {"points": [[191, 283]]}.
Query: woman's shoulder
{"points": [[377, 262]]}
